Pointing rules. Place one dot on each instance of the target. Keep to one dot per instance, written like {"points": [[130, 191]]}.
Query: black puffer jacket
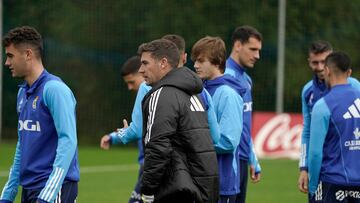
{"points": [[180, 161]]}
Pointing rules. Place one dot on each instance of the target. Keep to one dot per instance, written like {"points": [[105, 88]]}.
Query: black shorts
{"points": [[331, 193], [68, 193]]}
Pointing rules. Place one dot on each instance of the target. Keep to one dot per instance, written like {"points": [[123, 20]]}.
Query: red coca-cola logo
{"points": [[277, 135]]}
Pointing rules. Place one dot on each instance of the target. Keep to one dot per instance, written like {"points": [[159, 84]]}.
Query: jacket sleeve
{"points": [[320, 120], [305, 136], [253, 160], [212, 120], [10, 189], [162, 114], [134, 131], [61, 104], [230, 117]]}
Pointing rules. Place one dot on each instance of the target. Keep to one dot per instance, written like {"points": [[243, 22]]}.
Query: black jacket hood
{"points": [[182, 78]]}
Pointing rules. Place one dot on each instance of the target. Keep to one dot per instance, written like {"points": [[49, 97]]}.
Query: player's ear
{"points": [[163, 62], [29, 54], [326, 70], [349, 72], [237, 45], [184, 58]]}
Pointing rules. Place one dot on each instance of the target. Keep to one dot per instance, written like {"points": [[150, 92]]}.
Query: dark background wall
{"points": [[86, 42]]}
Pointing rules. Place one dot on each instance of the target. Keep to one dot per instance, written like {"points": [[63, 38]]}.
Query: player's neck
{"points": [[235, 57], [215, 75], [338, 81], [36, 69]]}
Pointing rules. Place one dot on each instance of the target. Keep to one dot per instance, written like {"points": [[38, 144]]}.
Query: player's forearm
{"points": [[253, 160], [10, 189], [314, 169], [305, 136], [304, 149], [213, 126], [65, 153], [124, 136], [228, 142]]}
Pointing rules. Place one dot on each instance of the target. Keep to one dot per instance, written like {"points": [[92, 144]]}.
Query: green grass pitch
{"points": [[109, 176]]}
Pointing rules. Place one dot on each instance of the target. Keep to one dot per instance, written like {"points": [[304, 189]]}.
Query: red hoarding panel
{"points": [[277, 135]]}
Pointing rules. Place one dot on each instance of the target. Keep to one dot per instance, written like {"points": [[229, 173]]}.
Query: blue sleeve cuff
{"points": [[113, 139], [116, 136], [303, 168]]}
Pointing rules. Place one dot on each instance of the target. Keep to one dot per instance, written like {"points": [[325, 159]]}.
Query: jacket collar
{"points": [[33, 87]]}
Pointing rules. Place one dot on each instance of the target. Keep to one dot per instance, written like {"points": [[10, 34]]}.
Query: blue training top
{"points": [[246, 147], [226, 95], [334, 138], [46, 152], [311, 93]]}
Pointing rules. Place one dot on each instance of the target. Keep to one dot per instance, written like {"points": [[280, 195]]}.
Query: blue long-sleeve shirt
{"points": [[46, 152], [334, 146], [311, 93], [228, 105], [246, 147]]}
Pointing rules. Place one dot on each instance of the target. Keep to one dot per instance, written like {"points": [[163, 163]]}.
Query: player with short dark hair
{"points": [[247, 42], [245, 33], [45, 162], [334, 132], [129, 72], [209, 56]]}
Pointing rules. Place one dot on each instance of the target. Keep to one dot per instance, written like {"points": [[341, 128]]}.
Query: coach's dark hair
{"points": [[131, 66], [162, 48], [339, 60], [177, 40], [243, 33], [25, 35], [212, 48], [320, 46]]}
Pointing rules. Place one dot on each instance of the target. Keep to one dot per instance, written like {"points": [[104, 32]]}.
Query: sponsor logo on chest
{"points": [[29, 125]]}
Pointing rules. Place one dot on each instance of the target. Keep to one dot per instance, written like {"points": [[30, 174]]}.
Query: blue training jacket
{"points": [[246, 147], [311, 93], [228, 104], [46, 151], [134, 131], [334, 148]]}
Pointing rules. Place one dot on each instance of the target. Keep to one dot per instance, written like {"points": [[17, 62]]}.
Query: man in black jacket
{"points": [[180, 162]]}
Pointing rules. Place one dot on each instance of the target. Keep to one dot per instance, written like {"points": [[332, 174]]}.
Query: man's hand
{"points": [[255, 177], [125, 123], [303, 181], [105, 142], [147, 198]]}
